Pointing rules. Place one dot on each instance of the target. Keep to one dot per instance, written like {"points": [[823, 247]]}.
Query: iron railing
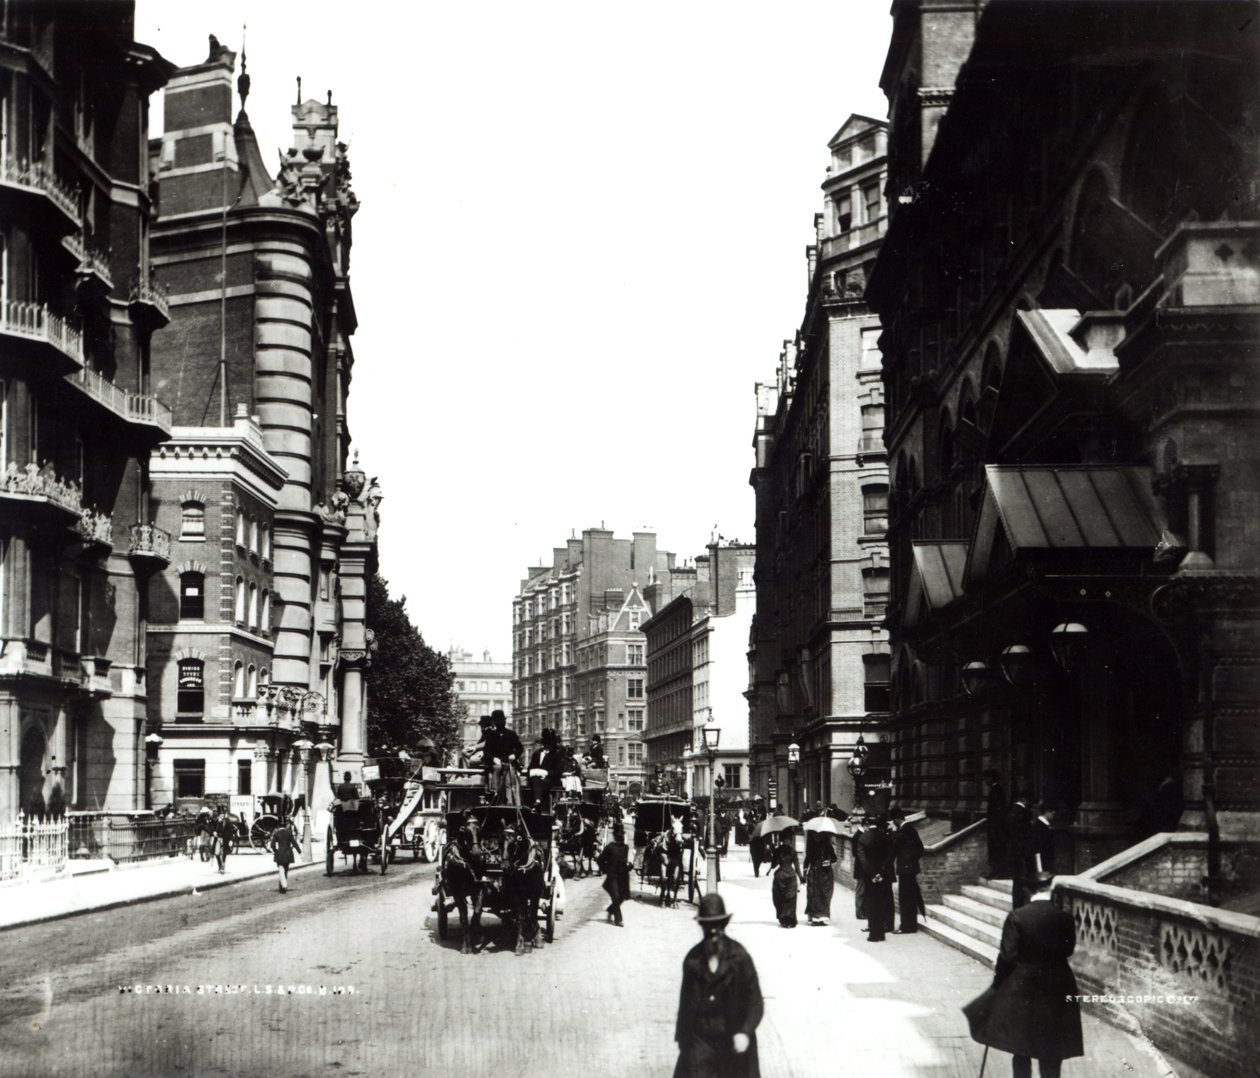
{"points": [[32, 846]]}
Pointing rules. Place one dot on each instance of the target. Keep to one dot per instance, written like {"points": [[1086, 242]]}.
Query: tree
{"points": [[411, 688]]}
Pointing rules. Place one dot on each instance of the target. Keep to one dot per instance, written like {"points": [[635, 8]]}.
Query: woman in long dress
{"points": [[784, 884], [820, 855]]}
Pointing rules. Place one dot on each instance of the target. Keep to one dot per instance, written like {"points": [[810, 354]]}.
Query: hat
{"points": [[485, 720], [712, 910], [498, 716], [896, 814], [1040, 881]]}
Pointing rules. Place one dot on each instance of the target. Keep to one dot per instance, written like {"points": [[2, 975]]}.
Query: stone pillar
{"points": [[291, 661], [353, 721]]}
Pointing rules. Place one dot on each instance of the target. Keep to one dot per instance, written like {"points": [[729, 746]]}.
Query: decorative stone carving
{"points": [[1196, 953], [354, 479], [1095, 926]]}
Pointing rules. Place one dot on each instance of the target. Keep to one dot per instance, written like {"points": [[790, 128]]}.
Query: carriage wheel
{"points": [[549, 932], [330, 851], [434, 841], [260, 831], [385, 852], [443, 927]]}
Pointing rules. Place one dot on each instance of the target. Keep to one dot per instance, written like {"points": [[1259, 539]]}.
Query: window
{"points": [[253, 535], [253, 606], [238, 680], [877, 679], [192, 596], [636, 754], [634, 688], [872, 358], [875, 510], [634, 654], [191, 698], [190, 778], [635, 716], [244, 777], [265, 619], [325, 579], [875, 592], [730, 774], [870, 199], [251, 682], [239, 610], [240, 529], [193, 522], [265, 543], [844, 212]]}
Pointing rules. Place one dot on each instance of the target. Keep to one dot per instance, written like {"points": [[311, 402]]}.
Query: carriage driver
{"points": [[498, 747]]}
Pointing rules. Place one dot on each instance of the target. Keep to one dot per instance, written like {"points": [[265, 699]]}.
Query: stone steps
{"points": [[972, 921]]}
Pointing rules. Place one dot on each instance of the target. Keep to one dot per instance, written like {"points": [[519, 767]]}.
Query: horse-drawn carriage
{"points": [[499, 860], [370, 826], [665, 846]]}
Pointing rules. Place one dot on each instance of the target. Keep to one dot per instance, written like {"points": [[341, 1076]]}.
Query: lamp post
{"points": [[711, 734], [794, 766]]}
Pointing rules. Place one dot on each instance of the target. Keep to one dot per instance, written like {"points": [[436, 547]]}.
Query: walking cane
{"points": [[983, 1060]]}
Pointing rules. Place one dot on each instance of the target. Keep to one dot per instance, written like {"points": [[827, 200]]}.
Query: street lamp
{"points": [[1068, 642], [711, 734], [794, 764]]}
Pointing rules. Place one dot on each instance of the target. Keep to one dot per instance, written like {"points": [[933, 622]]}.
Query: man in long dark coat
{"points": [[720, 1005], [876, 865], [1031, 1010], [909, 850], [614, 863], [995, 823], [544, 768]]}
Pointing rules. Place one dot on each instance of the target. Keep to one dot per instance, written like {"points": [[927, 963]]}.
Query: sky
{"points": [[581, 245]]}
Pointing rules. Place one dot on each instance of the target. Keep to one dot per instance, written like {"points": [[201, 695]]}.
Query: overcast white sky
{"points": [[581, 242]]}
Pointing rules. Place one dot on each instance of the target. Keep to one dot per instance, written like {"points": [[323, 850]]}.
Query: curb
{"points": [[168, 892]]}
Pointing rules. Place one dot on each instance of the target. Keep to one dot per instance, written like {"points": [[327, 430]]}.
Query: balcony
{"points": [[150, 546], [36, 189], [149, 302], [131, 407], [33, 325], [26, 658], [35, 486], [95, 529], [96, 279], [853, 238]]}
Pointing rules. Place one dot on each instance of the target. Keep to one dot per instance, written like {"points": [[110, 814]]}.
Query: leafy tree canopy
{"points": [[410, 688]]}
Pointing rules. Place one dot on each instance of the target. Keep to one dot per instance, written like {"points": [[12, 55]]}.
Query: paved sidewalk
{"points": [[65, 896], [835, 1004]]}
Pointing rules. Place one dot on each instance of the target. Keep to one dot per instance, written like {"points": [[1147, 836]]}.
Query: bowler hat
{"points": [[712, 909]]}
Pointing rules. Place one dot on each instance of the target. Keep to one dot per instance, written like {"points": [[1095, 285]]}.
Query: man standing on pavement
{"points": [[720, 1005], [283, 847], [614, 863], [909, 851], [995, 823], [222, 828], [876, 864]]}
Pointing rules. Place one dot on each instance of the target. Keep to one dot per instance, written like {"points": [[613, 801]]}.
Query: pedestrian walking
{"points": [[222, 828], [720, 1005], [614, 863], [784, 884], [876, 865], [995, 823], [1031, 1009], [283, 848], [758, 852], [820, 884]]}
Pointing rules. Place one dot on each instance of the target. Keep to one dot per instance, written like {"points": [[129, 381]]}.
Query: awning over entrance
{"points": [[938, 576], [1086, 507]]}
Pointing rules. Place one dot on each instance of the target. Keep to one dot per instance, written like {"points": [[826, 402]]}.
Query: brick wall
{"points": [[1185, 975]]}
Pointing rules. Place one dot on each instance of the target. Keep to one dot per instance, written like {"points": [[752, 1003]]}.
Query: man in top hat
{"points": [[720, 1005], [501, 752], [876, 864], [544, 767], [909, 846]]}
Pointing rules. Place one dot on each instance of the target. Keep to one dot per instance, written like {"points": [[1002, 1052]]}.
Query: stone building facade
{"points": [[79, 310], [257, 365], [589, 600], [819, 651], [484, 686]]}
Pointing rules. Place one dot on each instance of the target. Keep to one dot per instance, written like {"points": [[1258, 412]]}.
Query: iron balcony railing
{"points": [[134, 407], [152, 293], [39, 178], [150, 541]]}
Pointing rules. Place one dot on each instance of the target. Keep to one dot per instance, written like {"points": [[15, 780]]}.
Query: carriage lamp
{"points": [[1017, 663], [1068, 642]]}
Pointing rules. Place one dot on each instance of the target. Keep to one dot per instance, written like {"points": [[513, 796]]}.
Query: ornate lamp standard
{"points": [[710, 734], [794, 766]]}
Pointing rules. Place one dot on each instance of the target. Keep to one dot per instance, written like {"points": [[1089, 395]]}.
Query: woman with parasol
{"points": [[786, 876], [820, 856]]}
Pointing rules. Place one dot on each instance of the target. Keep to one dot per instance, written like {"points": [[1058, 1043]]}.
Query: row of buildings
{"points": [[184, 541]]}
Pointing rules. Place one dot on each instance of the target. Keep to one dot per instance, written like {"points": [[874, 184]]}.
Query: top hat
{"points": [[498, 716], [1039, 881], [896, 814], [712, 910], [485, 720]]}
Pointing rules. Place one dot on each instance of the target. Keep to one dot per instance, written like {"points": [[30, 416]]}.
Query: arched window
{"points": [[265, 543], [265, 621], [240, 529], [238, 680], [191, 697], [192, 522], [253, 536], [251, 687], [239, 610], [192, 596], [253, 607]]}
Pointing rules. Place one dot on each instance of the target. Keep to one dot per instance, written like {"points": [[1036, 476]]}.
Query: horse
{"points": [[577, 840], [670, 851], [461, 870], [523, 886]]}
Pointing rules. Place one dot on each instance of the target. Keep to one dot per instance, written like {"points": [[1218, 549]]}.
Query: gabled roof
{"points": [[1051, 332], [633, 601], [855, 125], [1084, 507], [937, 578]]}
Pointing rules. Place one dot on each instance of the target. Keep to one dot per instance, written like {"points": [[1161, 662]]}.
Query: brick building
{"points": [[1069, 291], [78, 414], [258, 642], [820, 654], [588, 598]]}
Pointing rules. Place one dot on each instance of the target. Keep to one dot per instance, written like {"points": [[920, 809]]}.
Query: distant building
{"points": [[485, 686], [820, 652], [697, 643], [591, 597]]}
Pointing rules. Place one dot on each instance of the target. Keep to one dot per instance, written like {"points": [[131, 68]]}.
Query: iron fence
{"points": [[128, 838], [32, 846]]}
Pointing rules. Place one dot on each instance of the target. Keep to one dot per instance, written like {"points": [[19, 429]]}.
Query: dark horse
{"points": [[461, 871], [577, 840], [523, 886]]}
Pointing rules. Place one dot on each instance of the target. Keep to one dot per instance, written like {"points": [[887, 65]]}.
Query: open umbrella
{"points": [[826, 824], [774, 823]]}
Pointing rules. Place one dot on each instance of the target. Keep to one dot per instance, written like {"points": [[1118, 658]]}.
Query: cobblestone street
{"points": [[600, 1000]]}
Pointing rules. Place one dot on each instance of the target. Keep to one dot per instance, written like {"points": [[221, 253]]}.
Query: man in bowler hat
{"points": [[720, 1005]]}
